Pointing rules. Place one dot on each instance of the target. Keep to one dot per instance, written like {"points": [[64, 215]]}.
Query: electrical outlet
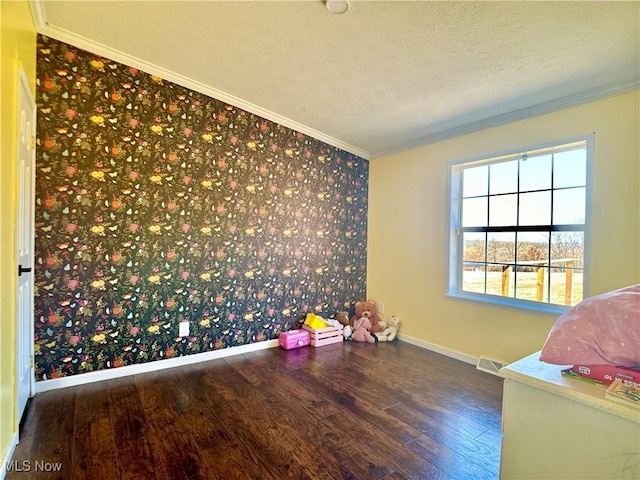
{"points": [[381, 308], [184, 329]]}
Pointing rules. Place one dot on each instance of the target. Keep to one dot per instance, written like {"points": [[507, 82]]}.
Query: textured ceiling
{"points": [[381, 78]]}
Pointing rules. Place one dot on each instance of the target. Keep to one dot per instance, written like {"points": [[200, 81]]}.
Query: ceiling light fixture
{"points": [[338, 6]]}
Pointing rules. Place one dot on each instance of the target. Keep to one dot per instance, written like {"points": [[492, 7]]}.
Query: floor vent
{"points": [[490, 366]]}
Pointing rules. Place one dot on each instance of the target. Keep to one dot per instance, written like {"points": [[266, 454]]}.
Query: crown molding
{"points": [[573, 100], [39, 15], [63, 35]]}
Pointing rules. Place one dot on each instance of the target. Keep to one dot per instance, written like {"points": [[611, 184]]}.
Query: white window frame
{"points": [[454, 240]]}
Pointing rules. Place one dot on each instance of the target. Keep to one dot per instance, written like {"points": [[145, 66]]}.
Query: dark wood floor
{"points": [[351, 411]]}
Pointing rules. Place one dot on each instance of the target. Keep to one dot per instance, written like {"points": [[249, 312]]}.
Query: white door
{"points": [[25, 240]]}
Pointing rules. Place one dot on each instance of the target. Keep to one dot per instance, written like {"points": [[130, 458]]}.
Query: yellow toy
{"points": [[315, 321]]}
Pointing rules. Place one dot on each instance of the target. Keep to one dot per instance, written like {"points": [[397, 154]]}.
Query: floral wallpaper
{"points": [[156, 204]]}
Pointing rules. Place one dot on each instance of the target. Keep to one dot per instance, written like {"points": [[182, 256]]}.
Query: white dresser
{"points": [[555, 427]]}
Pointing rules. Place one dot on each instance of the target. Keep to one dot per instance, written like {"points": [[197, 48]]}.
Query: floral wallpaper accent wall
{"points": [[156, 204]]}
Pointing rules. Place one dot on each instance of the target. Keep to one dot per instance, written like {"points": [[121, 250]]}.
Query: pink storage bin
{"points": [[325, 336], [294, 339]]}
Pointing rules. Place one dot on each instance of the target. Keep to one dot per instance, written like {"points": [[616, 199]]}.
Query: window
{"points": [[518, 226]]}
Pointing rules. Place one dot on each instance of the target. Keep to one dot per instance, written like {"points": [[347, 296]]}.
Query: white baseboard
{"points": [[463, 357], [9, 455], [90, 377]]}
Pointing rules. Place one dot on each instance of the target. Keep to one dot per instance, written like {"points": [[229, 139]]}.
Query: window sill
{"points": [[521, 305]]}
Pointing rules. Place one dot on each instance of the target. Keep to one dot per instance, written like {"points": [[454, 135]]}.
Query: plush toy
{"points": [[367, 308], [343, 318], [390, 329], [347, 330], [361, 331]]}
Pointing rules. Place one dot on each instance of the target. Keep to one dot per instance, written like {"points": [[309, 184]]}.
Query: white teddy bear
{"points": [[347, 332], [389, 329]]}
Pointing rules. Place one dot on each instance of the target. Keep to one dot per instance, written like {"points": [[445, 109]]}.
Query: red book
{"points": [[605, 374]]}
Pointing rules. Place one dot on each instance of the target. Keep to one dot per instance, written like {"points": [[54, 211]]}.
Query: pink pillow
{"points": [[601, 330]]}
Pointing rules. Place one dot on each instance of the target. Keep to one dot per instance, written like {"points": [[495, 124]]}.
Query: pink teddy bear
{"points": [[361, 331]]}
